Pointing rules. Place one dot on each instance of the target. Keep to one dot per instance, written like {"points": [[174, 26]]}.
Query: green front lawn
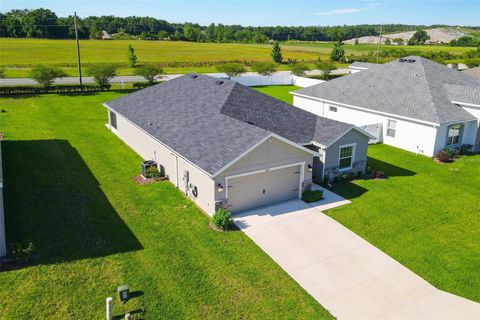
{"points": [[426, 215], [69, 190]]}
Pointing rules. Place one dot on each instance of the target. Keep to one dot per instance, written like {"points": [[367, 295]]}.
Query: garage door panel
{"points": [[263, 188]]}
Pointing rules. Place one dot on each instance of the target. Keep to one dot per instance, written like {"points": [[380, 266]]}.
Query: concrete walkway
{"points": [[343, 272]]}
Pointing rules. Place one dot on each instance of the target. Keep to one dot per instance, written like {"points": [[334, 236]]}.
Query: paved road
{"points": [[346, 274], [126, 79]]}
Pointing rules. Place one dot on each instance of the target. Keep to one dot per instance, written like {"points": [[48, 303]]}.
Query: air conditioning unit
{"points": [[145, 165]]}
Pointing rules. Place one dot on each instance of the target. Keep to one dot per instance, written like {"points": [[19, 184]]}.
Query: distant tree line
{"points": [[44, 23]]}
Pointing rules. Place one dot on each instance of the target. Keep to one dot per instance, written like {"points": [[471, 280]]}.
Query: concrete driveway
{"points": [[343, 272]]}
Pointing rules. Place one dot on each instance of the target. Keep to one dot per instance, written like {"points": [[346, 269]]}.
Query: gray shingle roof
{"points": [[211, 122], [420, 90]]}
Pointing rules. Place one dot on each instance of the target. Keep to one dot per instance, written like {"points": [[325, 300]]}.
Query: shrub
{"points": [[472, 63], [312, 195], [142, 85], [152, 172], [222, 219], [21, 252], [12, 90], [2, 73], [231, 69], [149, 72], [264, 68], [443, 156], [380, 175], [299, 69], [276, 52], [102, 74], [325, 67], [359, 174], [132, 57], [46, 75], [463, 149]]}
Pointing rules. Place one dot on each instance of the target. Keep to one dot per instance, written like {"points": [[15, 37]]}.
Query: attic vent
{"points": [[194, 76], [406, 60], [219, 82], [249, 122]]}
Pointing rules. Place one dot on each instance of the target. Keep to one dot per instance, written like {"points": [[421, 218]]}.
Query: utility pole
{"points": [[379, 43], [78, 49]]}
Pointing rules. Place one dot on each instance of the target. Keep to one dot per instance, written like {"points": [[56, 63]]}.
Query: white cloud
{"points": [[337, 12]]}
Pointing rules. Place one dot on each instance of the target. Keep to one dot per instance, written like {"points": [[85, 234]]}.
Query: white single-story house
{"points": [[3, 245], [411, 103], [227, 145]]}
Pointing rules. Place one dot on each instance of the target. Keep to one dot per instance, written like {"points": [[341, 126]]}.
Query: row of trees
{"points": [[44, 23]]}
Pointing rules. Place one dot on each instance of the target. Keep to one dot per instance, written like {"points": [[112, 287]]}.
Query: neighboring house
{"points": [[360, 66], [3, 246], [226, 145], [416, 104]]}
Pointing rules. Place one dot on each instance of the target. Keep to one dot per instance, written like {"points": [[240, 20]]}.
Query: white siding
{"points": [[411, 136], [269, 154], [150, 149]]}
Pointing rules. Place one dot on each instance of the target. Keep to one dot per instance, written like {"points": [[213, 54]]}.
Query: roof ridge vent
{"points": [[403, 60]]}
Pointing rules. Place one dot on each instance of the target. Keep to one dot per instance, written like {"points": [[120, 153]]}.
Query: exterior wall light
{"points": [[309, 168], [219, 187]]}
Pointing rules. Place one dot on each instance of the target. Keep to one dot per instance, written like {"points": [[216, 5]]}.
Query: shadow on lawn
{"points": [[389, 169], [53, 200], [351, 190]]}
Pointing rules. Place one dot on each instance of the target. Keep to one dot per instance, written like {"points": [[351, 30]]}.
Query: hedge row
{"points": [[54, 89]]}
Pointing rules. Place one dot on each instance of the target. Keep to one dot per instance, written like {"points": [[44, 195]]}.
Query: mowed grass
{"points": [[69, 190], [425, 215], [279, 92]]}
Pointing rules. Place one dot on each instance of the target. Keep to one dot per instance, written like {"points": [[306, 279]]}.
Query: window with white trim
{"points": [[113, 120], [346, 156], [454, 133], [391, 128], [332, 109]]}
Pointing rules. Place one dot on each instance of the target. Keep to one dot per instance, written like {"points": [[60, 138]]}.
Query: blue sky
{"points": [[272, 12]]}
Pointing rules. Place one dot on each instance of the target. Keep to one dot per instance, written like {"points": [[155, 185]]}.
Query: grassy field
{"points": [[69, 190], [18, 55], [425, 215]]}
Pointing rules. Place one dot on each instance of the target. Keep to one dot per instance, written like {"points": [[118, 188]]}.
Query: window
{"points": [[346, 156], [332, 109], [391, 128], [113, 120], [454, 132]]}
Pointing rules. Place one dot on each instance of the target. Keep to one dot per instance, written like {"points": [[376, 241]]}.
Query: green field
{"points": [[69, 190], [17, 56]]}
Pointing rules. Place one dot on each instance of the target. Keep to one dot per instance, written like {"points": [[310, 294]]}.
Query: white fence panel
{"points": [[252, 81], [305, 82]]}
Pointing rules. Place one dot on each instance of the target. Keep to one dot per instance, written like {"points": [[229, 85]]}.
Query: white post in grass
{"points": [[109, 308]]}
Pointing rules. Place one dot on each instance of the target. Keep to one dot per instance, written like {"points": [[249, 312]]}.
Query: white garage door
{"points": [[263, 188]]}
